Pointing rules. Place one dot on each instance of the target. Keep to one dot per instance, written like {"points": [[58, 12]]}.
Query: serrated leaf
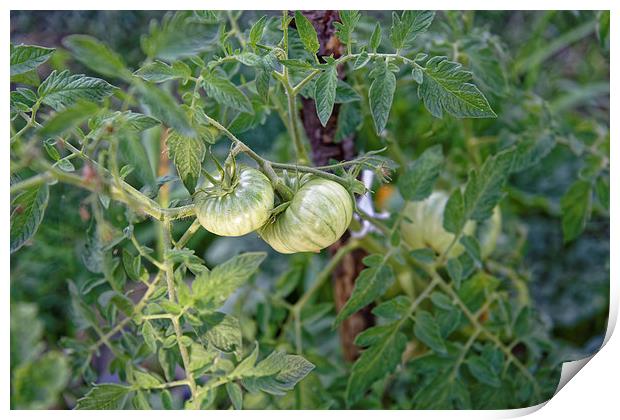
{"points": [[180, 35], [407, 26], [427, 331], [187, 153], [148, 333], [349, 120], [222, 331], [375, 38], [68, 118], [371, 283], [276, 374], [200, 356], [532, 148], [214, 287], [602, 191], [416, 183], [256, 31], [481, 370], [446, 87], [576, 205], [165, 108], [482, 193], [345, 93], [381, 95], [97, 56], [158, 71], [25, 58], [346, 26], [472, 247], [375, 362], [361, 60], [63, 89], [235, 394], [104, 397], [226, 93], [307, 33], [325, 93], [27, 211], [394, 308], [146, 379]]}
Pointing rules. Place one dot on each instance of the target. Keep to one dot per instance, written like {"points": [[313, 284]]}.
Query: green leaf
{"points": [[307, 34], [222, 331], [406, 27], [378, 360], [256, 31], [446, 87], [349, 120], [235, 394], [132, 151], [225, 93], [472, 247], [22, 99], [371, 283], [416, 183], [345, 93], [346, 26], [375, 38], [145, 379], [27, 210], [158, 71], [104, 397], [30, 78], [97, 56], [68, 118], [180, 35], [394, 308], [532, 149], [63, 89], [576, 205], [200, 357], [25, 58], [482, 193], [381, 94], [276, 374], [427, 331], [361, 60], [423, 255], [148, 333], [38, 384], [482, 371], [187, 153], [214, 287], [164, 107], [602, 191], [325, 93]]}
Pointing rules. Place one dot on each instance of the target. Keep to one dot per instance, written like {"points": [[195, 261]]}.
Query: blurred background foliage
{"points": [[538, 69]]}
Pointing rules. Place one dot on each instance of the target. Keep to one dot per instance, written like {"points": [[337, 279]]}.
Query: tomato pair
{"points": [[316, 217]]}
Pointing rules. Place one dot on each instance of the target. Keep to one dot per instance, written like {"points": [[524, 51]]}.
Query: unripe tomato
{"points": [[316, 217], [425, 227], [488, 233], [238, 208]]}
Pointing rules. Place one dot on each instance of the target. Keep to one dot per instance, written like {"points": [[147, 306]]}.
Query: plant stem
{"points": [[167, 244]]}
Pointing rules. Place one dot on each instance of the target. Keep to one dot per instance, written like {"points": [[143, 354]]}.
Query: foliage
{"points": [[165, 315]]}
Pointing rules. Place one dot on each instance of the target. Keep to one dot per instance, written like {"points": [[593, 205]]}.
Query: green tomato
{"points": [[236, 209], [488, 233], [315, 218], [424, 229]]}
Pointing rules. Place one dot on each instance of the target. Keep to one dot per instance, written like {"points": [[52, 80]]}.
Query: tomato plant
{"points": [[406, 202]]}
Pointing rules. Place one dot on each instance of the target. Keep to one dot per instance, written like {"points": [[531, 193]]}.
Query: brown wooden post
{"points": [[325, 148]]}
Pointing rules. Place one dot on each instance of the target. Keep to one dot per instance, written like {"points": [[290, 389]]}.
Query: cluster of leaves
{"points": [[451, 332]]}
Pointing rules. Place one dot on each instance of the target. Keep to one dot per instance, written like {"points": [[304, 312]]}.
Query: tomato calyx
{"points": [[226, 182]]}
